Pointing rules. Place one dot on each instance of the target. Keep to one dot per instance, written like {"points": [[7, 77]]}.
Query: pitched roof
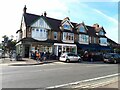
{"points": [[30, 18], [91, 31], [55, 23]]}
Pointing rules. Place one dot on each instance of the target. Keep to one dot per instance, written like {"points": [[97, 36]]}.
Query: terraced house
{"points": [[39, 32]]}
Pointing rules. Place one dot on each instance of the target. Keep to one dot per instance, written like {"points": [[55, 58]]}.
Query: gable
{"points": [[67, 25], [82, 29], [41, 23], [101, 32]]}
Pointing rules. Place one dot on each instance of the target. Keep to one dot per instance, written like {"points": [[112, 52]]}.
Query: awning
{"points": [[105, 48], [92, 47]]}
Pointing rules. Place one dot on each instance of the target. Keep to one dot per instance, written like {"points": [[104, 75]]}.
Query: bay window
{"points": [[39, 34], [103, 41], [68, 36], [83, 39]]}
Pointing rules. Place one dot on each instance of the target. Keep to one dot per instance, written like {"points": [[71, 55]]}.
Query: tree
{"points": [[8, 44]]}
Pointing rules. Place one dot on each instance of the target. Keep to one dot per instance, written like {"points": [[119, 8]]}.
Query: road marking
{"points": [[88, 80]]}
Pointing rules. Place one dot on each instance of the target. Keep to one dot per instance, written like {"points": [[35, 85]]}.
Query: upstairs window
{"points": [[101, 33], [103, 40], [94, 39], [83, 38], [82, 29], [55, 35], [68, 36], [65, 26]]}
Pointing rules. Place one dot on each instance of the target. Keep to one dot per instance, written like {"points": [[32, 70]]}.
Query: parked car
{"points": [[67, 57], [1, 53], [112, 58]]}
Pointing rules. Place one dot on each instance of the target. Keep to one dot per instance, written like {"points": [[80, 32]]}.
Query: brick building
{"points": [[40, 32]]}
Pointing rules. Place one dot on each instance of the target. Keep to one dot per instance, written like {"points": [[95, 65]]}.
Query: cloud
{"points": [[106, 16]]}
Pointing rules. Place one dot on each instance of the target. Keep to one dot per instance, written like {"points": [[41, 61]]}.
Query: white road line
{"points": [[88, 80]]}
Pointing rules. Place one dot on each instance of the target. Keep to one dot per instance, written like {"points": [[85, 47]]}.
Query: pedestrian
{"points": [[44, 56], [37, 56]]}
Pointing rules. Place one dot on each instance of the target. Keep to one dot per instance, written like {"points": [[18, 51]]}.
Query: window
{"points": [[65, 26], [90, 39], [55, 35], [41, 22], [82, 29], [94, 39], [83, 38], [68, 36], [103, 40], [39, 33], [37, 29], [101, 33]]}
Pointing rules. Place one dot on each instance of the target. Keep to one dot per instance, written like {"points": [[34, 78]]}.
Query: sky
{"points": [[103, 12]]}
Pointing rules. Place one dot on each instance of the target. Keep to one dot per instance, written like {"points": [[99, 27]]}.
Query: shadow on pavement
{"points": [[28, 64]]}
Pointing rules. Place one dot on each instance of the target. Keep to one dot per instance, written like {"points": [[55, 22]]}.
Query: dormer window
{"points": [[66, 24], [82, 29], [67, 27], [101, 33]]}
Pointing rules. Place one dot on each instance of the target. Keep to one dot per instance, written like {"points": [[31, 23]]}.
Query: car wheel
{"points": [[115, 61], [67, 60], [79, 60]]}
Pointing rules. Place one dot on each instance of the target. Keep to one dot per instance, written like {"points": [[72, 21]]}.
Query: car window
{"points": [[116, 56], [75, 55], [107, 56], [70, 54]]}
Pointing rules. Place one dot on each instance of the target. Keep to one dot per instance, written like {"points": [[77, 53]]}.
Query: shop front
{"points": [[61, 48]]}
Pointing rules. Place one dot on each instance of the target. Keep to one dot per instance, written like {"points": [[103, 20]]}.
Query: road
{"points": [[58, 73]]}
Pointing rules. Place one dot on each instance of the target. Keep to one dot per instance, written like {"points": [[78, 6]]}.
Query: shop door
{"points": [[27, 51], [59, 51]]}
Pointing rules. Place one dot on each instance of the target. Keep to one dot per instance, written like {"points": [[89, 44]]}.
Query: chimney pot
{"points": [[45, 14]]}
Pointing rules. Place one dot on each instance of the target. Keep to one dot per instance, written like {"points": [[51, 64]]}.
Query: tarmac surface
{"points": [[28, 61]]}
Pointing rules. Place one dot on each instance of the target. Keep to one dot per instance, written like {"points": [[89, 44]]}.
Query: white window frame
{"points": [[83, 40], [101, 42], [38, 35], [66, 37]]}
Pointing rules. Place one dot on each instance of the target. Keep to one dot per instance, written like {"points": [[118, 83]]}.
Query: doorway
{"points": [[27, 51]]}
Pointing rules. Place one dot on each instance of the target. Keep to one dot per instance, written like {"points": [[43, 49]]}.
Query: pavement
{"points": [[24, 62], [28, 61]]}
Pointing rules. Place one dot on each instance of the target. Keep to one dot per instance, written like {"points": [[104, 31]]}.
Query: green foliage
{"points": [[8, 44]]}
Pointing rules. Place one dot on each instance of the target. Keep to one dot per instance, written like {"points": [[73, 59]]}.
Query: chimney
{"points": [[97, 28], [24, 9], [45, 14], [96, 25]]}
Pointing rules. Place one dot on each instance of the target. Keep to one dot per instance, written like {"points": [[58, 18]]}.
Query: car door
{"points": [[71, 57], [75, 57]]}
